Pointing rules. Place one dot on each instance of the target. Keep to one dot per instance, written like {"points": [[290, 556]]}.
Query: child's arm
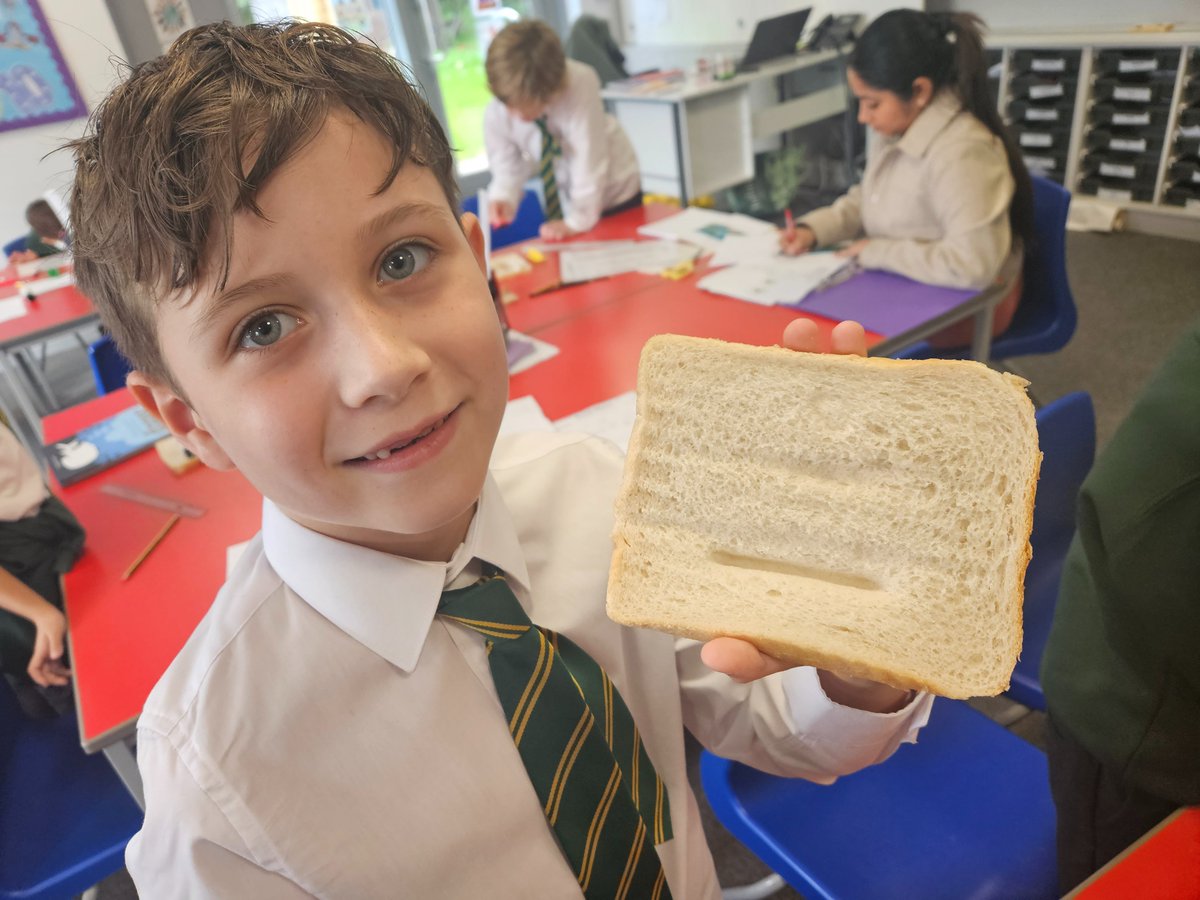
{"points": [[585, 138], [510, 170], [45, 665]]}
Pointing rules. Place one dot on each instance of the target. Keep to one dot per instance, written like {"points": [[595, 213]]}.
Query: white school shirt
{"points": [[323, 733], [934, 203], [597, 169], [21, 487]]}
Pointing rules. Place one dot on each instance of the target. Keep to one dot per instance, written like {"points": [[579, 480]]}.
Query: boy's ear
{"points": [[473, 229], [162, 402]]}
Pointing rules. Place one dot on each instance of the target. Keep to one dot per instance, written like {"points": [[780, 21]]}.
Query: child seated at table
{"points": [[46, 234], [39, 541], [301, 302], [548, 119], [946, 198]]}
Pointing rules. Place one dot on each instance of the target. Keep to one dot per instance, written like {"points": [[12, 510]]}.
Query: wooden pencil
{"points": [[155, 541]]}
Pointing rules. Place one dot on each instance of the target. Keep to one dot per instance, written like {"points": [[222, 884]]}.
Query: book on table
{"points": [[103, 444]]}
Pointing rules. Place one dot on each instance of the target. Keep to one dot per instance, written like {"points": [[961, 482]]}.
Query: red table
{"points": [[1164, 865]]}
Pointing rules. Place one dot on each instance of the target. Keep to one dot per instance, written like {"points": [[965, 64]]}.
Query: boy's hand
{"points": [[741, 660], [45, 665], [556, 230], [500, 213], [793, 242]]}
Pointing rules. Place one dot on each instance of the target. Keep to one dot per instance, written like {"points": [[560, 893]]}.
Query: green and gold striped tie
{"points": [[550, 149], [579, 743]]}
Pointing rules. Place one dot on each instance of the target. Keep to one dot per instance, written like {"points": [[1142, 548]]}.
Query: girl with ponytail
{"points": [[946, 198]]}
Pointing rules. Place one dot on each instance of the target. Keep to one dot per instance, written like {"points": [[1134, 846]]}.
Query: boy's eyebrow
{"points": [[399, 214], [213, 310]]}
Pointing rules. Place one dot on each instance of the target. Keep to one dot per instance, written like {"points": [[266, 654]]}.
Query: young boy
{"points": [[46, 234], [267, 219], [548, 119]]}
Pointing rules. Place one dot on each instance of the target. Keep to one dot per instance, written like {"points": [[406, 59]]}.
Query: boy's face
{"points": [[353, 368]]}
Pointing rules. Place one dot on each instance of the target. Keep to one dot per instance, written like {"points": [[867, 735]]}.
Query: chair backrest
{"points": [[16, 245], [525, 224], [964, 812], [1067, 434], [591, 42], [1046, 317], [109, 367], [65, 817]]}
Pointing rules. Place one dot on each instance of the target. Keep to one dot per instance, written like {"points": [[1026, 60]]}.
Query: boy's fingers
{"points": [[802, 335], [849, 338], [739, 659]]}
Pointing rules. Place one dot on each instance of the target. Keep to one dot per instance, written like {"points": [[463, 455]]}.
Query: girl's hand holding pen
{"points": [[796, 239]]}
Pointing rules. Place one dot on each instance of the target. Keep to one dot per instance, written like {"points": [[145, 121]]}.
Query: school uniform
{"points": [[934, 203], [597, 170], [324, 732]]}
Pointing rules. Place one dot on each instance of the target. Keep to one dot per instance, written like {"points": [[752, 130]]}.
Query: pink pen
{"points": [[791, 223]]}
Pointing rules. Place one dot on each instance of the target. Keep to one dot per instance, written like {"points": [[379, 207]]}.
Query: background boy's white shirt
{"points": [[597, 170], [323, 733]]}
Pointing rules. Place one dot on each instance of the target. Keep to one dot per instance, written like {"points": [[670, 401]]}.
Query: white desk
{"points": [[699, 135]]}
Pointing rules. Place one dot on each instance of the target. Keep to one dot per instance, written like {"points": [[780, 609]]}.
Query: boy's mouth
{"points": [[402, 442]]}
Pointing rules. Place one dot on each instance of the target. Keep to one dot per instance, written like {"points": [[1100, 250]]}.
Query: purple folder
{"points": [[885, 303]]}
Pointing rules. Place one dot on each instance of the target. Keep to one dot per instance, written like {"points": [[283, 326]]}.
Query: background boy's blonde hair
{"points": [[526, 63], [189, 138]]}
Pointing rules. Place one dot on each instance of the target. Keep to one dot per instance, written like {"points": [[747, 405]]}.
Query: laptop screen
{"points": [[774, 38]]}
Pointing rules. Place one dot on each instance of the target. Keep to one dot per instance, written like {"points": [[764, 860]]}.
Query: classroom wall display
{"points": [[36, 86], [170, 18]]}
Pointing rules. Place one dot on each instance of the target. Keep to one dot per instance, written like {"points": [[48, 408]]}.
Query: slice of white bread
{"points": [[866, 516]]}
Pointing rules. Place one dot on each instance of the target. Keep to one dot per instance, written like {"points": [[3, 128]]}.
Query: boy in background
{"points": [[548, 120], [46, 234], [282, 261]]}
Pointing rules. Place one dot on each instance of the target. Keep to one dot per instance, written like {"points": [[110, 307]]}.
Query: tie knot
{"points": [[489, 606]]}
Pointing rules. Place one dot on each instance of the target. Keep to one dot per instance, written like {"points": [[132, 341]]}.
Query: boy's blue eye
{"points": [[266, 330], [404, 261]]}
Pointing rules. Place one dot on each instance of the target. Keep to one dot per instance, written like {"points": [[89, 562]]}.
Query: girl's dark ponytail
{"points": [[947, 48]]}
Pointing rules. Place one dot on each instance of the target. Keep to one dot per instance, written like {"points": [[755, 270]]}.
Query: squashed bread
{"points": [[866, 516]]}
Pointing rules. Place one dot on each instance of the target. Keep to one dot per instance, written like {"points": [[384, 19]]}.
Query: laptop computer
{"points": [[773, 38]]}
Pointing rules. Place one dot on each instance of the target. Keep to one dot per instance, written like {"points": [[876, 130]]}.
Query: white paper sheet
{"points": [[610, 419], [787, 279], [644, 256], [12, 308], [706, 228]]}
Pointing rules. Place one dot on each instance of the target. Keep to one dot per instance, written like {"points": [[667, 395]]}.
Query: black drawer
{"points": [[1183, 195], [1106, 114], [1189, 117], [1043, 90], [1040, 114], [1187, 146], [1125, 140], [1185, 172], [1139, 62], [1141, 169], [1112, 90], [1045, 62], [1120, 191], [1034, 139]]}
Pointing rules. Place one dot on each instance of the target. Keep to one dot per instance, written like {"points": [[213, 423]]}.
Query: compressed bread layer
{"points": [[871, 516]]}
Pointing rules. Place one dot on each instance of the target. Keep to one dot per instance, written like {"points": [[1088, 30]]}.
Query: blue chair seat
{"points": [[16, 245], [65, 817], [109, 367], [1046, 316], [525, 224], [965, 812]]}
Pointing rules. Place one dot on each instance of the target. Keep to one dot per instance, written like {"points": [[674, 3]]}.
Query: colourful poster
{"points": [[35, 84]]}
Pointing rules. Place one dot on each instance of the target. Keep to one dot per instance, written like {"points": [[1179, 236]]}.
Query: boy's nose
{"points": [[376, 358]]}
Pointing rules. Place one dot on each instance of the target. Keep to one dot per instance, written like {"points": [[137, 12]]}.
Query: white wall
{"points": [[1073, 15], [666, 22], [87, 39]]}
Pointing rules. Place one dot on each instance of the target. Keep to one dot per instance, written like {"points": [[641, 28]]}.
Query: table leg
{"points": [[26, 425], [680, 154], [40, 387], [981, 341], [121, 757]]}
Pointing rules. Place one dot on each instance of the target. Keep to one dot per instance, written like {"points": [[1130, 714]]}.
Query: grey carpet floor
{"points": [[1135, 295]]}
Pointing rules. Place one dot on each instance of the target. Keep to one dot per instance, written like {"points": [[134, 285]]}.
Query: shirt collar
{"points": [[930, 123], [386, 602]]}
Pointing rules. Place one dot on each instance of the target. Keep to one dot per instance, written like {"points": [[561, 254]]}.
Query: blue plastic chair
{"points": [[965, 812], [525, 224], [16, 245], [1046, 317], [109, 367], [1067, 434], [65, 817]]}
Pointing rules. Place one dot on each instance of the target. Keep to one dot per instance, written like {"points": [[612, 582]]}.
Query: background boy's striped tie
{"points": [[579, 743], [550, 149]]}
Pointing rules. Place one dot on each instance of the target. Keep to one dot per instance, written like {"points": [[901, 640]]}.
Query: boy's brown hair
{"points": [[526, 63], [187, 141], [42, 220]]}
